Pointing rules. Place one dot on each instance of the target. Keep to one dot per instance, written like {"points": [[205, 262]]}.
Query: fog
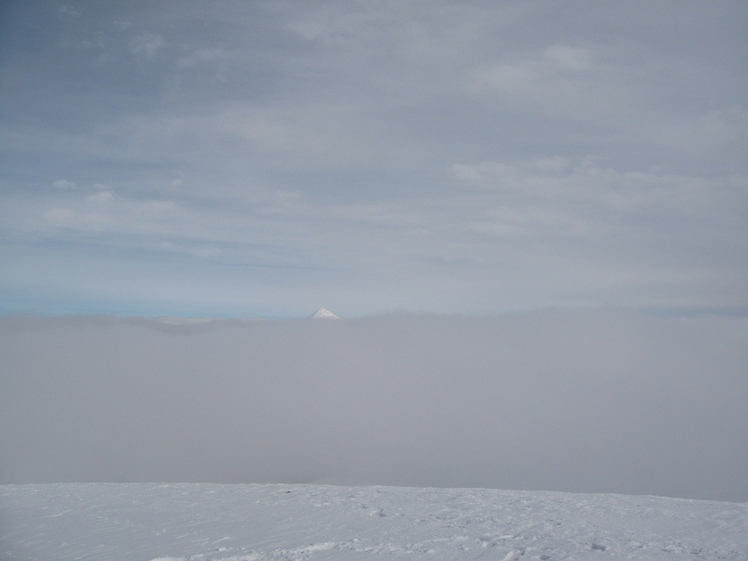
{"points": [[602, 401]]}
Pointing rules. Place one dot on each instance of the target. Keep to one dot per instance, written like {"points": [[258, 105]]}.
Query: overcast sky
{"points": [[268, 158]]}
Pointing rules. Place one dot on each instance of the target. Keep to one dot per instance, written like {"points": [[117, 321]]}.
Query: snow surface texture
{"points": [[202, 522]]}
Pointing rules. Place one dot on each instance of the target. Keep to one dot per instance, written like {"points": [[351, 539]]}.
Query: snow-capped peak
{"points": [[324, 313]]}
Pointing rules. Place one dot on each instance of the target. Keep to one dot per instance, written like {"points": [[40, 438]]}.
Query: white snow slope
{"points": [[214, 522]]}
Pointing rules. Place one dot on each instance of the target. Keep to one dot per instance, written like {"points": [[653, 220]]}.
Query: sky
{"points": [[578, 401], [263, 159]]}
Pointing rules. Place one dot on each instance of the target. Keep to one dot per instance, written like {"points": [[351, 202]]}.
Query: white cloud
{"points": [[126, 220], [559, 70], [720, 133], [319, 135], [555, 181], [531, 220], [102, 198], [568, 58], [564, 84], [59, 217], [210, 56], [68, 11], [121, 24], [146, 45], [71, 220], [63, 184]]}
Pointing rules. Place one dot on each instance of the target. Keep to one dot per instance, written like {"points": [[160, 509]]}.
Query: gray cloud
{"points": [[604, 401], [470, 158]]}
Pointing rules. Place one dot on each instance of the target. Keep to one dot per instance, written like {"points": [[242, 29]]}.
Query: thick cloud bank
{"points": [[592, 402]]}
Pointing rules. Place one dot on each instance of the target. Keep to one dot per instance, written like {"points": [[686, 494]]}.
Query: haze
{"points": [[603, 401]]}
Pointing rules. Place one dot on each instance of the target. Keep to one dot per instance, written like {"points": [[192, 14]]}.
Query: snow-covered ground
{"points": [[213, 522]]}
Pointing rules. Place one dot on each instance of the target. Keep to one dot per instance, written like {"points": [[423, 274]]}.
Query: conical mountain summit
{"points": [[324, 313]]}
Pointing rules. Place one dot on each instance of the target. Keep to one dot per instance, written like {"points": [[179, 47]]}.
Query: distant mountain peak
{"points": [[324, 313]]}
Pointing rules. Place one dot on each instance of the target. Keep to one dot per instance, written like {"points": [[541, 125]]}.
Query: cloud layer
{"points": [[248, 159], [591, 402]]}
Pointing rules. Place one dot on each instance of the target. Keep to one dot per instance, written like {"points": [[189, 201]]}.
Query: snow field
{"points": [[212, 522]]}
